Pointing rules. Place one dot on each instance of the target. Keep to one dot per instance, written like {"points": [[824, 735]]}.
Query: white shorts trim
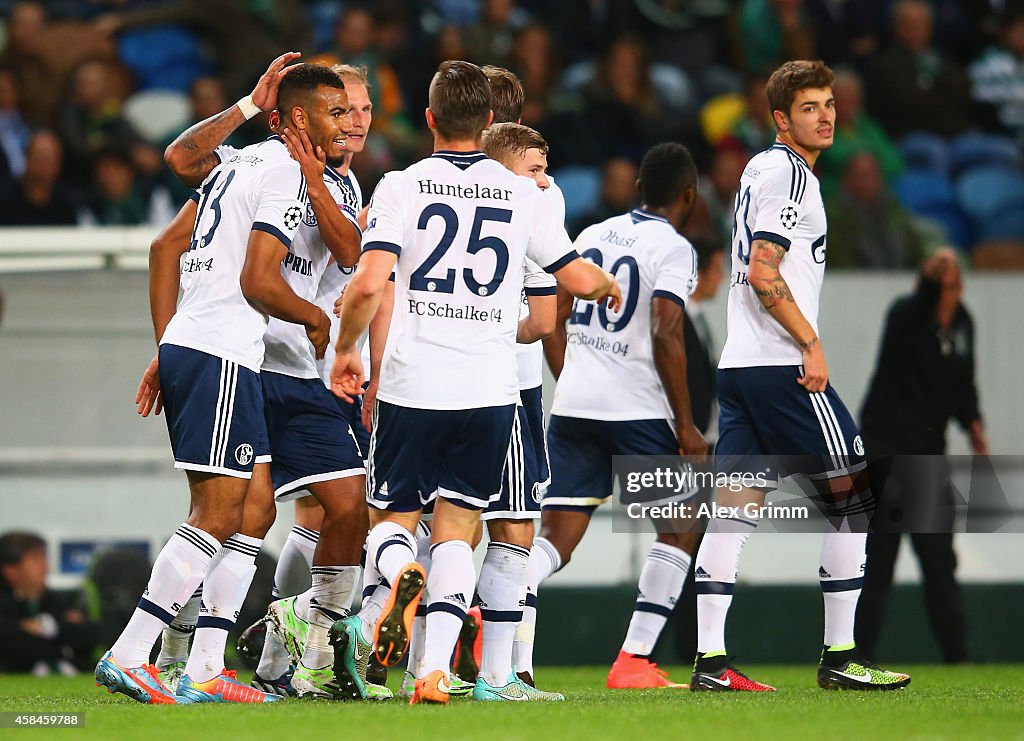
{"points": [[508, 515], [480, 504], [282, 493], [185, 466], [574, 501], [264, 458]]}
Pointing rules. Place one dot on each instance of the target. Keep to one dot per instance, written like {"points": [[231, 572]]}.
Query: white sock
{"points": [[375, 594], [715, 579], [177, 571], [544, 561], [661, 583], [418, 635], [224, 589], [450, 583], [292, 574], [841, 575], [334, 588], [176, 636], [502, 592], [390, 547]]}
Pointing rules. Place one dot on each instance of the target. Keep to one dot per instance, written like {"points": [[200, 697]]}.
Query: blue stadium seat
{"points": [[924, 151], [993, 197], [977, 150], [163, 57], [929, 193], [581, 187]]}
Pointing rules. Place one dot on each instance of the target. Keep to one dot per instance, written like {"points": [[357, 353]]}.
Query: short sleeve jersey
{"points": [[778, 200], [257, 188], [462, 226], [609, 371]]}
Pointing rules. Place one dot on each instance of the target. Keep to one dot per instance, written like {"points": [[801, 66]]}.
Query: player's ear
{"points": [[298, 117], [431, 121], [781, 120]]}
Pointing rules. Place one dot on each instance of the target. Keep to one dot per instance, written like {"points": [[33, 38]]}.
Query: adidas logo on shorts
{"points": [[458, 598], [822, 574]]}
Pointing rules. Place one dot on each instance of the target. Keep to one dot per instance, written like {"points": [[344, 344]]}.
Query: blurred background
{"points": [[930, 105]]}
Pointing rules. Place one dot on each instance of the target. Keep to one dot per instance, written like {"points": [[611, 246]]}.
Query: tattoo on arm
{"points": [[200, 139], [777, 290]]}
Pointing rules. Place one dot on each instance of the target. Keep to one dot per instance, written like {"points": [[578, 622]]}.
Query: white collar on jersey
{"points": [[787, 148], [638, 215]]}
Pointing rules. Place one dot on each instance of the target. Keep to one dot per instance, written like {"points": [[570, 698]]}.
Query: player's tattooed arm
{"points": [[767, 257]]}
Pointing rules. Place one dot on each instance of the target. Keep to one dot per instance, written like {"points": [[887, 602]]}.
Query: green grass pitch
{"points": [[950, 702]]}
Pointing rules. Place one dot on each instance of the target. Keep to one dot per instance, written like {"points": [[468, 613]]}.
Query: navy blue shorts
{"points": [[354, 414], [310, 437], [459, 454], [214, 412], [526, 466], [769, 422], [581, 456]]}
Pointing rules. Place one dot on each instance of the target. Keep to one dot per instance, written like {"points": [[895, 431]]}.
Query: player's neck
{"points": [[810, 155], [456, 145], [666, 212], [346, 163]]}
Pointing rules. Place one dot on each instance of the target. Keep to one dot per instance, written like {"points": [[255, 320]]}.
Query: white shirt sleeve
{"points": [[677, 274], [282, 202], [384, 228], [779, 207], [549, 246], [537, 281]]}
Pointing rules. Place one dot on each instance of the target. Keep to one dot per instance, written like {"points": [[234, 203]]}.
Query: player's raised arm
{"points": [[775, 296], [192, 156]]}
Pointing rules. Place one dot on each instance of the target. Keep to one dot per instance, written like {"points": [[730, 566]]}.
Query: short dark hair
{"points": [[460, 99], [706, 246], [301, 82], [16, 545], [666, 171], [507, 94], [502, 140], [792, 77]]}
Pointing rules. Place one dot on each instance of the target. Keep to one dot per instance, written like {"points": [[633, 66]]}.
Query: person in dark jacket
{"points": [[924, 377], [43, 631]]}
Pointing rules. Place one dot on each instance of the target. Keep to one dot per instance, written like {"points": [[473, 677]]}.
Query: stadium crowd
{"points": [[930, 99]]}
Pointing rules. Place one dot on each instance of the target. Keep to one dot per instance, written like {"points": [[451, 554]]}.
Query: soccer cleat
{"points": [[459, 687], [142, 684], [225, 687], [376, 673], [282, 686], [391, 634], [408, 687], [378, 692], [515, 690], [171, 675], [638, 672], [716, 674], [527, 678], [431, 690], [289, 627], [317, 684], [466, 665], [844, 670], [250, 643], [351, 657]]}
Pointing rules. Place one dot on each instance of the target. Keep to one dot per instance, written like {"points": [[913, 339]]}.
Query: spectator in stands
{"points": [[44, 631], [847, 32], [41, 197], [618, 193], [855, 131], [712, 218], [915, 87], [490, 39], [755, 129], [867, 225], [997, 80], [535, 63], [115, 198], [92, 121], [770, 32], [24, 55], [14, 133]]}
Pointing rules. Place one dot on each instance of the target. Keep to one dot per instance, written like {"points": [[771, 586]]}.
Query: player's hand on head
{"points": [[815, 377], [311, 159], [148, 398], [264, 95], [692, 444], [347, 374], [320, 334]]}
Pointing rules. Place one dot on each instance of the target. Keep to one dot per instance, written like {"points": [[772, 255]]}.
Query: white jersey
{"points": [[258, 188], [609, 371], [530, 358], [778, 200], [462, 226]]}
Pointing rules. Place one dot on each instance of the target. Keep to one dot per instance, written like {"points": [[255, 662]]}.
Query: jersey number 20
{"points": [[583, 311], [420, 280]]}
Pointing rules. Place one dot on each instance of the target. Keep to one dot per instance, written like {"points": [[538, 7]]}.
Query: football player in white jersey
{"points": [[207, 378], [640, 352], [778, 411], [455, 229], [310, 438]]}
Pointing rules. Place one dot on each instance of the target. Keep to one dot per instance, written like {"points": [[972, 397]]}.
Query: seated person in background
{"points": [[997, 79], [43, 631], [40, 198], [618, 193], [867, 226]]}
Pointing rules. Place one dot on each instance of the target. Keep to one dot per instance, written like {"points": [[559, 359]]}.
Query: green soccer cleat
{"points": [[516, 690], [317, 684], [408, 686], [844, 670], [288, 626], [459, 687], [171, 675], [378, 692], [351, 657]]}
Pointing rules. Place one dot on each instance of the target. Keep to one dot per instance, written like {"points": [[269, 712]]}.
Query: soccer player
{"points": [[455, 229], [310, 438], [206, 374], [640, 349], [774, 392]]}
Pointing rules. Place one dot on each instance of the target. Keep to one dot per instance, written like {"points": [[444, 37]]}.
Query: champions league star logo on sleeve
{"points": [[789, 217], [292, 217]]}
